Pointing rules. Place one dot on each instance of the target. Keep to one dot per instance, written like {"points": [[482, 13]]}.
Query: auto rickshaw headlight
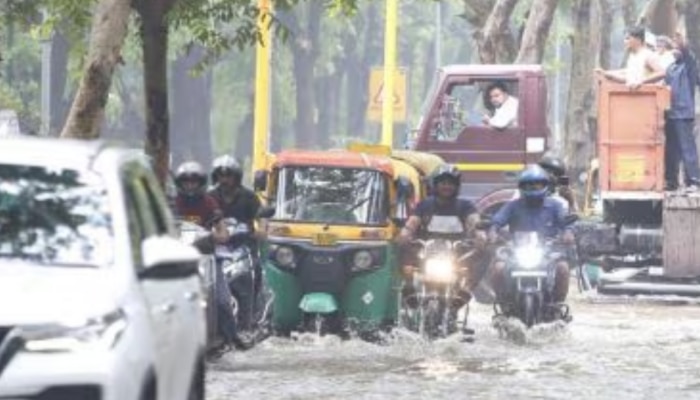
{"points": [[362, 260], [284, 256]]}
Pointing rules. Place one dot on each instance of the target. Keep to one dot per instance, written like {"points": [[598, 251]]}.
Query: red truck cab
{"points": [[452, 127]]}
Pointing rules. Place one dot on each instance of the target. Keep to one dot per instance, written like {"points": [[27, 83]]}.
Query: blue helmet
{"points": [[533, 182]]}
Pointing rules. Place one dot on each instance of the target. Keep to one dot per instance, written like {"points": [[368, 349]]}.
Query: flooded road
{"points": [[615, 348]]}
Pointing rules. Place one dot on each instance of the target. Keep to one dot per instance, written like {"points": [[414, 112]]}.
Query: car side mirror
{"points": [[260, 181], [168, 258], [266, 212]]}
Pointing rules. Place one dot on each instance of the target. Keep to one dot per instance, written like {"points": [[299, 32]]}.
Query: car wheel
{"points": [[197, 389]]}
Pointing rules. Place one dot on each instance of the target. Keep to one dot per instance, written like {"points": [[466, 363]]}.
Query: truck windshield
{"points": [[331, 195], [428, 102], [54, 216]]}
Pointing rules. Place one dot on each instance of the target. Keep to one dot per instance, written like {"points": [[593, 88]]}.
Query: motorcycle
{"points": [[433, 313], [251, 301], [531, 264]]}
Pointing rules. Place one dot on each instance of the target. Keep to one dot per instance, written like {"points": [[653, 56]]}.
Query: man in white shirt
{"points": [[505, 107], [642, 63]]}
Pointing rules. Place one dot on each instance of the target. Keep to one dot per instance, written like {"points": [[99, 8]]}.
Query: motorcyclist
{"points": [[535, 211], [241, 204], [236, 200], [193, 204], [559, 181], [439, 214]]}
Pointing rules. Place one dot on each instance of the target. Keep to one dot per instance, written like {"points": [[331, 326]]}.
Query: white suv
{"points": [[98, 299]]}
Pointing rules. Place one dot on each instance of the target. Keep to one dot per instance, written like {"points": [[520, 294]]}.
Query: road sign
{"points": [[376, 91]]}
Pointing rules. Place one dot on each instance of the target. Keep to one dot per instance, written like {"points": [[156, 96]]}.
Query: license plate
{"points": [[324, 239], [529, 274]]}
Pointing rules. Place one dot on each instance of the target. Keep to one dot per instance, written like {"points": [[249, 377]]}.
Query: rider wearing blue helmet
{"points": [[536, 211]]}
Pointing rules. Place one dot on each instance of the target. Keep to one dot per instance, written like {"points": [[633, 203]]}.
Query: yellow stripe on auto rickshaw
{"points": [[490, 167]]}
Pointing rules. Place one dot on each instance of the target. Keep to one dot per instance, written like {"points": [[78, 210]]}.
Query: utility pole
{"points": [[391, 15], [438, 34], [262, 89]]}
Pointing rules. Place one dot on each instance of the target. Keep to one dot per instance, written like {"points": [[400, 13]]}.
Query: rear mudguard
{"points": [[318, 303]]}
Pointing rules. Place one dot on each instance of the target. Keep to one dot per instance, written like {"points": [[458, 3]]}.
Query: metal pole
{"points": [[262, 89], [392, 7]]}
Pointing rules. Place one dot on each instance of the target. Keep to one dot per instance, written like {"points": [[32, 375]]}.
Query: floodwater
{"points": [[615, 348]]}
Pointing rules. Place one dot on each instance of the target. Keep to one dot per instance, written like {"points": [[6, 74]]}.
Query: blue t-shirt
{"points": [[547, 220], [682, 77]]}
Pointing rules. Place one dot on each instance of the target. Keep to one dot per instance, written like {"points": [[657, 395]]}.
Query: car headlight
{"points": [[103, 332], [362, 260], [529, 257], [284, 256], [439, 270]]}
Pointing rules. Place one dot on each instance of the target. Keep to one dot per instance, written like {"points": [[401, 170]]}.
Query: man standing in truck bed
{"points": [[682, 77], [642, 63]]}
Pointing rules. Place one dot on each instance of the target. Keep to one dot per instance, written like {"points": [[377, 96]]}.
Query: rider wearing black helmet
{"points": [[236, 201], [536, 211], [559, 181], [443, 213]]}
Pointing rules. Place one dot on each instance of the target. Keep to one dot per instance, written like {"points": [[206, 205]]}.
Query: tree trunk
{"points": [[305, 50], [580, 135], [358, 69], [606, 20], [692, 25], [495, 42], [154, 37], [661, 17], [59, 73], [191, 127], [109, 30], [629, 12], [476, 12], [536, 32]]}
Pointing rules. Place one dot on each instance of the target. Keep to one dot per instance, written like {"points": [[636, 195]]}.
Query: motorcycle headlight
{"points": [[362, 260], [284, 256], [529, 257], [439, 270], [103, 332]]}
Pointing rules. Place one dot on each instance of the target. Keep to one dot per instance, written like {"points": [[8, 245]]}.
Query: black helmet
{"points": [[553, 164], [446, 171], [190, 170], [228, 164]]}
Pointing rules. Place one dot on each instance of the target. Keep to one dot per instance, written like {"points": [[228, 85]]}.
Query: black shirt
{"points": [[243, 205]]}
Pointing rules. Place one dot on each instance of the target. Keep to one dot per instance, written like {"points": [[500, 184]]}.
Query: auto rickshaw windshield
{"points": [[331, 195]]}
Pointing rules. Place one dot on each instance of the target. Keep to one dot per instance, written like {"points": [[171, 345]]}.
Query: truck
{"points": [[644, 238], [490, 159]]}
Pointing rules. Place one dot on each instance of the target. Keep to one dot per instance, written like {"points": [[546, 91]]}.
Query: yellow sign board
{"points": [[376, 95], [630, 169]]}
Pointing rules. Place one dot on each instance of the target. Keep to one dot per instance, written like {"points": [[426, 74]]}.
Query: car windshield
{"points": [[54, 216], [332, 195]]}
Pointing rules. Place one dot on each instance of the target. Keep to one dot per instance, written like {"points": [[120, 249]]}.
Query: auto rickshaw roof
{"points": [[335, 158]]}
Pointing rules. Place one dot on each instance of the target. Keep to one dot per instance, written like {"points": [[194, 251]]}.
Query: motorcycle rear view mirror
{"points": [[260, 181], [404, 188], [266, 212]]}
